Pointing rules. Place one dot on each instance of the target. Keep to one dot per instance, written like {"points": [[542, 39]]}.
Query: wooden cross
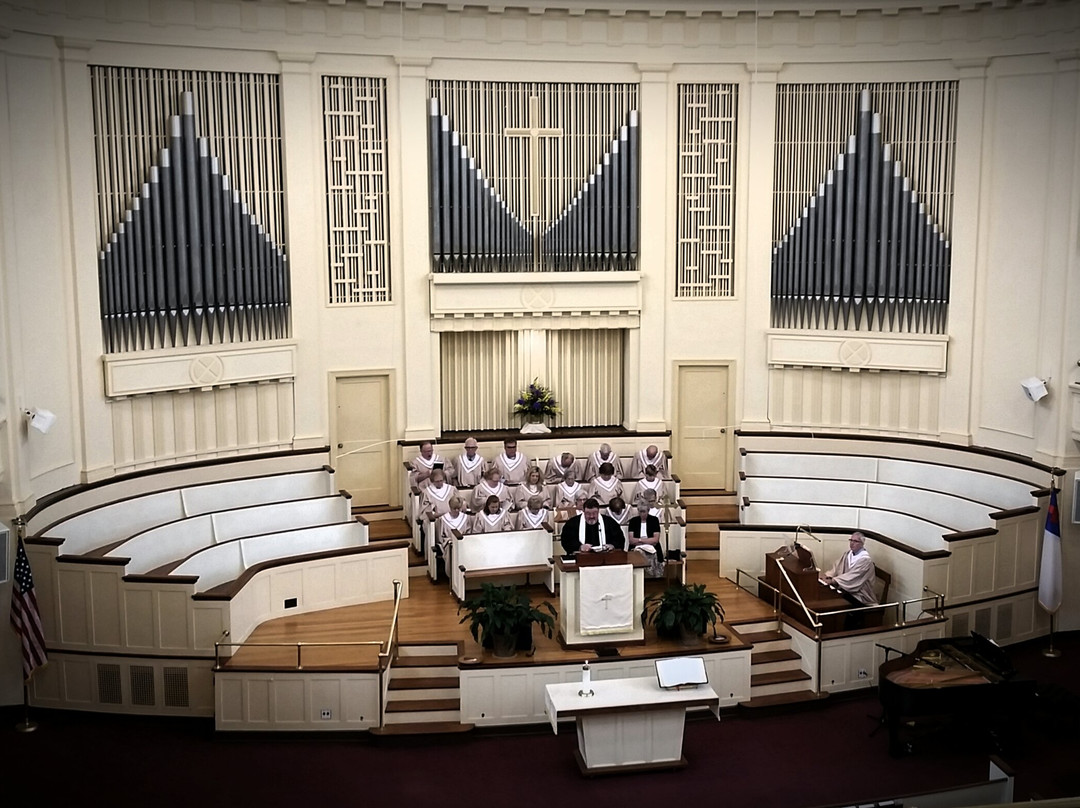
{"points": [[534, 132]]}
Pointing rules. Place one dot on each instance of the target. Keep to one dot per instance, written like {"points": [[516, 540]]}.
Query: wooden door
{"points": [[363, 450], [702, 436]]}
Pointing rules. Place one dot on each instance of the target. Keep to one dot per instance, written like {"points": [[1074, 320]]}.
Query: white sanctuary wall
{"points": [[1015, 260]]}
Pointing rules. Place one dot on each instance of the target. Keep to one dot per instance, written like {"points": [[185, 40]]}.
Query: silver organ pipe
{"points": [[188, 262], [865, 253]]}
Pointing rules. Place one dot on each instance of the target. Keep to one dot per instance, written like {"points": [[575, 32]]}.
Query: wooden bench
{"points": [[495, 555]]}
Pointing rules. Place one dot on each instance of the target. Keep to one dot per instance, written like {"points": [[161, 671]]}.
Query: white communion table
{"points": [[627, 724]]}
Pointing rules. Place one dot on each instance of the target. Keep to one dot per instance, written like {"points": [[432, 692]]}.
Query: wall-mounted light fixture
{"points": [[40, 419]]}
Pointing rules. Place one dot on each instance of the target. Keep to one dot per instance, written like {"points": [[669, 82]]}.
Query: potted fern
{"points": [[683, 612], [501, 618]]}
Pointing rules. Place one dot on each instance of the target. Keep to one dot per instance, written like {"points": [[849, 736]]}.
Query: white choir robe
{"points": [[643, 485], [640, 461], [603, 491], [527, 520], [483, 491], [512, 471], [622, 517], [445, 526], [491, 523], [555, 471], [468, 472], [436, 501], [592, 465], [522, 493], [421, 468], [564, 496]]}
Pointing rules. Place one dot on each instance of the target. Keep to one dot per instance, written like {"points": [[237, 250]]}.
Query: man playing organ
{"points": [[559, 466], [424, 463], [512, 464], [491, 486], [532, 487], [649, 456], [494, 518], [605, 486], [534, 515], [469, 465], [603, 455], [435, 496]]}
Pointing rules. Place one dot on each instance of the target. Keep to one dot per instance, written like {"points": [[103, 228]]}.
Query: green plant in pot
{"points": [[501, 618], [683, 612]]}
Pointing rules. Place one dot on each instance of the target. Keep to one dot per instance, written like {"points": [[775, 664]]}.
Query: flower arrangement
{"points": [[536, 401]]}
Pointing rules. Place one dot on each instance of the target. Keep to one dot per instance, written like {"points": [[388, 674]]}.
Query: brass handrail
{"points": [[387, 654], [299, 646], [798, 598]]}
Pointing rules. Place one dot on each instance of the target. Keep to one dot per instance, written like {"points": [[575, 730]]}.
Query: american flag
{"points": [[25, 617]]}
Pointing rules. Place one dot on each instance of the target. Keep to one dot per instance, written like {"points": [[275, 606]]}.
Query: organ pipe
{"points": [[865, 253], [189, 262]]}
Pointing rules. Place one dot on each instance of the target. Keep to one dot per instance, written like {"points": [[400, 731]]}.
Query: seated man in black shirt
{"points": [[590, 532]]}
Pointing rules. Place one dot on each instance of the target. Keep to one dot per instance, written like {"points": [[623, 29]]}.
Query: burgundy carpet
{"points": [[823, 756]]}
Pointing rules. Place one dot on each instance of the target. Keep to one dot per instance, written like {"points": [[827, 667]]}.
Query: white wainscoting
{"points": [[502, 696], [321, 584], [296, 701], [997, 564], [122, 684]]}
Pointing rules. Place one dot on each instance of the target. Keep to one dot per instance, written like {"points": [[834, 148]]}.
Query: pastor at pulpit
{"points": [[589, 531]]}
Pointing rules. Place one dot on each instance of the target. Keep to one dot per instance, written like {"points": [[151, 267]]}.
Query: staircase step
{"points": [[415, 649], [797, 698], [378, 513], [427, 661], [778, 678], [423, 705], [768, 657], [703, 541], [410, 717], [758, 637], [424, 682], [711, 513], [422, 728]]}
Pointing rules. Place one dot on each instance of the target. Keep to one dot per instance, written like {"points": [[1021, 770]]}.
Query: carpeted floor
{"points": [[824, 756]]}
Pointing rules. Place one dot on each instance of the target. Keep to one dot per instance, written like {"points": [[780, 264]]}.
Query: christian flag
{"points": [[25, 617], [1050, 569]]}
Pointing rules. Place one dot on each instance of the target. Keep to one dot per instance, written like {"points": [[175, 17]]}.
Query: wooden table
{"points": [[626, 724]]}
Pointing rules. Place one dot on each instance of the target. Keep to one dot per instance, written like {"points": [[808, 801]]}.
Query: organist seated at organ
{"points": [[853, 576]]}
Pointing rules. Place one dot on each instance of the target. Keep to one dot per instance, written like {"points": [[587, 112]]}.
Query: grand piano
{"points": [[965, 684]]}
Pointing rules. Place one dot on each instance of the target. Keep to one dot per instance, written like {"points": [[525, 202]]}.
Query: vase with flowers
{"points": [[536, 403]]}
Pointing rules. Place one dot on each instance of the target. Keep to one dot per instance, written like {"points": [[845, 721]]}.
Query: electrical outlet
{"points": [[326, 715], [862, 673]]}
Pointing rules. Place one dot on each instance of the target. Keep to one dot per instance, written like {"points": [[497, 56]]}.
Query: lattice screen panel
{"points": [[483, 372], [237, 112], [708, 127], [357, 189]]}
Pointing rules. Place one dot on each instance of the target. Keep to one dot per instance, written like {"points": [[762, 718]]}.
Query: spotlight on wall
{"points": [[40, 419], [1034, 388]]}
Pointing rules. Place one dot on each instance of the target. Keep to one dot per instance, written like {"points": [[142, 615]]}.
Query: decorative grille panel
{"points": [[142, 685], [588, 375], [175, 683], [708, 127], [109, 688], [357, 196], [480, 379]]}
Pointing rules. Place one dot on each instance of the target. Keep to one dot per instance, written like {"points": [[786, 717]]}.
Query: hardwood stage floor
{"points": [[430, 615]]}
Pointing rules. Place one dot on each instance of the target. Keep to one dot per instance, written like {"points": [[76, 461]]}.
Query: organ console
{"points": [[803, 575], [963, 682]]}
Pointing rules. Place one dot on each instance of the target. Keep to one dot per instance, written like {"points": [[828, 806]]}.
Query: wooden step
{"points": [[768, 657], [698, 514], [778, 678], [424, 682], [427, 661], [422, 728], [423, 705], [703, 541], [755, 637], [794, 699]]}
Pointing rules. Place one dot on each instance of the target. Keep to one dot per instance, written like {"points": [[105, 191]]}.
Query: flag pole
{"points": [[26, 725], [1051, 652]]}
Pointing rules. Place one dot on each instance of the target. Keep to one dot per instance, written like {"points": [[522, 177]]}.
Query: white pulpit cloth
{"points": [[606, 599]]}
